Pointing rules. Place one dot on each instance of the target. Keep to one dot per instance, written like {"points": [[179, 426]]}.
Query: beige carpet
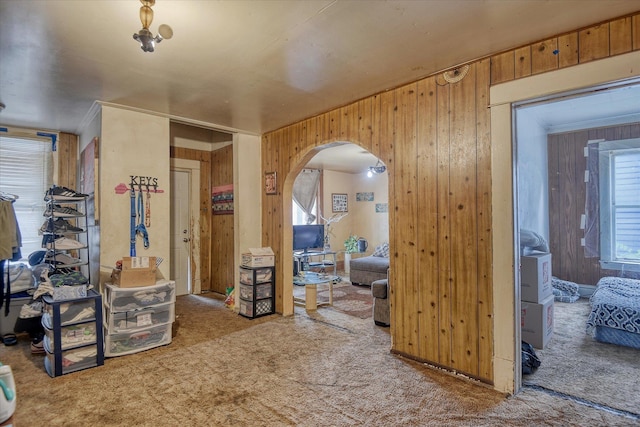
{"points": [[576, 364], [322, 368]]}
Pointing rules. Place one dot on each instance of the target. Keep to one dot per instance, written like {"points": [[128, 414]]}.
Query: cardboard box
{"points": [[136, 271], [537, 322], [258, 257], [535, 277]]}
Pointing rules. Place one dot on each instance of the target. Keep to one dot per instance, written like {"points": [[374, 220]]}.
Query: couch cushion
{"points": [[370, 263]]}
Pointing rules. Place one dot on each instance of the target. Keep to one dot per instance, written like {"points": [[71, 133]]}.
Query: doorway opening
{"points": [[185, 242], [557, 196], [349, 203]]}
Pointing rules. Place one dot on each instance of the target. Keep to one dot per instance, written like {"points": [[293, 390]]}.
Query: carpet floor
{"points": [[574, 363], [319, 368]]}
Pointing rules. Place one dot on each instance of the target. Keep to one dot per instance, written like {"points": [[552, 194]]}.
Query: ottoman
{"points": [[380, 292]]}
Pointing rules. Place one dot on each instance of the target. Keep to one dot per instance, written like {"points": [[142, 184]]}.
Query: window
{"points": [[620, 204], [26, 170], [300, 218]]}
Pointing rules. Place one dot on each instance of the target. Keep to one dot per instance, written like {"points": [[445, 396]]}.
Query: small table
{"points": [[310, 281]]}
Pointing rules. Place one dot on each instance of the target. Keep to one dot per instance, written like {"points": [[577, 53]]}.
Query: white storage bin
{"points": [[126, 299], [120, 344], [130, 321]]}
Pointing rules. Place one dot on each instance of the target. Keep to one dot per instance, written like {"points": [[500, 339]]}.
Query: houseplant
{"points": [[350, 246]]}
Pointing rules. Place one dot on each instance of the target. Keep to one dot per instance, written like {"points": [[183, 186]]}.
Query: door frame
{"points": [[506, 292], [193, 167]]}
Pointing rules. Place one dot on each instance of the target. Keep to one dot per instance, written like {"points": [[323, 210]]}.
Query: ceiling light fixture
{"points": [[144, 36], [377, 169]]}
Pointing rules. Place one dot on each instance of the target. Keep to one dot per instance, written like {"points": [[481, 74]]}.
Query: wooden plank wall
{"points": [[434, 138], [606, 39], [567, 197], [222, 245], [68, 164], [204, 157]]}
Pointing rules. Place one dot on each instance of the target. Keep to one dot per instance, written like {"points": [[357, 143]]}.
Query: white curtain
{"points": [[305, 191]]}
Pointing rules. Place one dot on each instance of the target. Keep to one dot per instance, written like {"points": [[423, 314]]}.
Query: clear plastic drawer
{"points": [[129, 321], [128, 299], [120, 344]]}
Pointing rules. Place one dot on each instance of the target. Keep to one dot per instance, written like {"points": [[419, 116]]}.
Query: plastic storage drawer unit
{"points": [[126, 299], [70, 336], [119, 344], [72, 360], [129, 321], [71, 312], [260, 275]]}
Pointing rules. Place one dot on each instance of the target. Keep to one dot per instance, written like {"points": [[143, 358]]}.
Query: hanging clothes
{"points": [[10, 237], [10, 244], [140, 227]]}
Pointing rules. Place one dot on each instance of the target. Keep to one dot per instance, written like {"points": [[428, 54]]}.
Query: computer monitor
{"points": [[307, 237]]}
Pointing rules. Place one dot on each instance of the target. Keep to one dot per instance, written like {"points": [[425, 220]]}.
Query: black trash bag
{"points": [[530, 361]]}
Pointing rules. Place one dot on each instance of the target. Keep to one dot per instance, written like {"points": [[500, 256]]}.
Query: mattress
{"points": [[615, 312]]}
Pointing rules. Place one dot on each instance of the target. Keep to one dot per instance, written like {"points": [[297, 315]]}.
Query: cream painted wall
{"points": [[247, 195], [506, 295], [133, 143], [362, 219]]}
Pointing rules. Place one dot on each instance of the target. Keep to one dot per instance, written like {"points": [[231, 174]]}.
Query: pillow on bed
{"points": [[533, 240], [382, 250]]}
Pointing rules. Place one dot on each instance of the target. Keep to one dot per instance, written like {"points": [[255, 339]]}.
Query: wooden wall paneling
{"points": [[593, 43], [444, 225], [620, 38], [463, 186], [67, 148], [567, 50], [544, 56], [568, 208], [382, 146], [269, 209], [405, 227], [365, 126], [277, 160], [553, 155], [376, 114], [222, 227], [483, 194], [349, 124], [522, 62], [335, 120], [635, 32], [503, 67], [427, 187]]}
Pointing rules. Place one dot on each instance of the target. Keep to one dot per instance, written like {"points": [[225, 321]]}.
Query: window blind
{"points": [[26, 170]]}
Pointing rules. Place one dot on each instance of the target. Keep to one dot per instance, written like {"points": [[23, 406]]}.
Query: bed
{"points": [[615, 312]]}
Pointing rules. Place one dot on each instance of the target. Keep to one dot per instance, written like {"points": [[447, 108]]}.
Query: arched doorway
{"points": [[345, 166]]}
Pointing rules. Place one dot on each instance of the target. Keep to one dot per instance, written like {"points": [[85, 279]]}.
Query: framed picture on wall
{"points": [[270, 186], [339, 202]]}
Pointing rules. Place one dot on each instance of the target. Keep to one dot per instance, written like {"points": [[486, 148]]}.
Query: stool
{"points": [[380, 291]]}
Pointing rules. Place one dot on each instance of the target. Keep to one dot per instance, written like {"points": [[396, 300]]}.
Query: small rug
{"points": [[350, 299]]}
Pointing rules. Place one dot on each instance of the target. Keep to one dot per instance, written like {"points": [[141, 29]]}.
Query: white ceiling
{"points": [[252, 66]]}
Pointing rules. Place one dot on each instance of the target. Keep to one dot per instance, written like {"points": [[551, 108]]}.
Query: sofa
{"points": [[366, 270]]}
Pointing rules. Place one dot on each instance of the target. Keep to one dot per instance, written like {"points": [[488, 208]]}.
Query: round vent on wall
{"points": [[455, 75]]}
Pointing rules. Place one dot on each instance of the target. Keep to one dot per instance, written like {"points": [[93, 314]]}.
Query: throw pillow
{"points": [[382, 250]]}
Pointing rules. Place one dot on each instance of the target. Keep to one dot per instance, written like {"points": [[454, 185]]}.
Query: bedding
{"points": [[615, 312], [565, 291]]}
